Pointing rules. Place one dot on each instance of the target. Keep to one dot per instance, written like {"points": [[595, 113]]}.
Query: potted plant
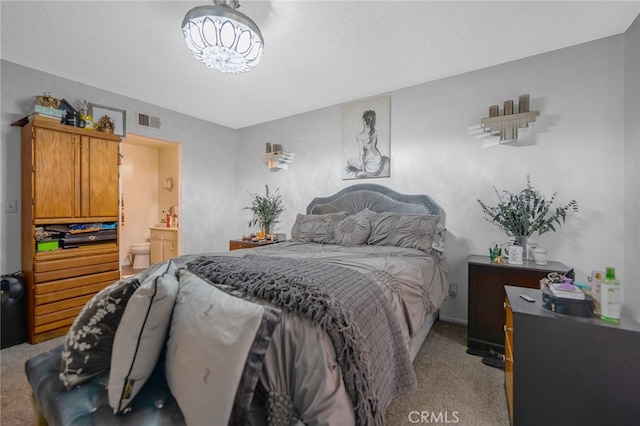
{"points": [[266, 210], [522, 214]]}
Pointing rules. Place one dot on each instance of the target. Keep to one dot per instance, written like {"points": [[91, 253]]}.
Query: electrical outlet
{"points": [[11, 206], [453, 289]]}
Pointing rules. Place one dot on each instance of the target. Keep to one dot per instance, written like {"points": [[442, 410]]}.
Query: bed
{"points": [[320, 329]]}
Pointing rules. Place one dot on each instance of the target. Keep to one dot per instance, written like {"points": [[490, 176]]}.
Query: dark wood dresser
{"points": [[486, 296], [567, 370]]}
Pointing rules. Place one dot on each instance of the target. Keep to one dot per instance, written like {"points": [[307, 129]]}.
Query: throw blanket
{"points": [[348, 305]]}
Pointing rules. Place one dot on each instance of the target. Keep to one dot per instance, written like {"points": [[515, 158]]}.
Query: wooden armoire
{"points": [[69, 177]]}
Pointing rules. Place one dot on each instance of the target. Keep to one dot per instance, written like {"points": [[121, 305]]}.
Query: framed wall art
{"points": [[366, 129], [119, 117]]}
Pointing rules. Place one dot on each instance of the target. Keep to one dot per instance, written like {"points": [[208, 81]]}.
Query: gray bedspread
{"points": [[348, 305], [301, 364]]}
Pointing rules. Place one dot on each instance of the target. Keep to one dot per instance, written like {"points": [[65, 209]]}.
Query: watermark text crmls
{"points": [[434, 417]]}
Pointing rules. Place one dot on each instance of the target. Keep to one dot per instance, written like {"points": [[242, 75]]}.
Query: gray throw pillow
{"points": [[410, 231], [353, 231], [316, 228]]}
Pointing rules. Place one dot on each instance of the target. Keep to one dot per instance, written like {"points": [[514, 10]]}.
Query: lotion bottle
{"points": [[610, 297]]}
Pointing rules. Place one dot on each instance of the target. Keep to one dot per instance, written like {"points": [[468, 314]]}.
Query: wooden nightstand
{"points": [[239, 244], [486, 317]]}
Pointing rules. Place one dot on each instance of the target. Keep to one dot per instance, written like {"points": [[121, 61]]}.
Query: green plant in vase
{"points": [[266, 209], [522, 214]]}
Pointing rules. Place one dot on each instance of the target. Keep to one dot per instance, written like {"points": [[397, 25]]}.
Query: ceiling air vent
{"points": [[146, 120]]}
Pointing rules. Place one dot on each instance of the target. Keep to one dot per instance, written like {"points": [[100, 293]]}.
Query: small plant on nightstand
{"points": [[522, 214], [266, 209]]}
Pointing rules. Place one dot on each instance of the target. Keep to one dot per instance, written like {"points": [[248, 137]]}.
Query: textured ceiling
{"points": [[317, 53]]}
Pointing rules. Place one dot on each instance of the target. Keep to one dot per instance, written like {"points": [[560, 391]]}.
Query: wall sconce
{"points": [[168, 184], [275, 158], [506, 126]]}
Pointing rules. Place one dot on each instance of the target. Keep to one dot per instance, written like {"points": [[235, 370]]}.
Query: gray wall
{"points": [[584, 146], [576, 148], [208, 173], [631, 183]]}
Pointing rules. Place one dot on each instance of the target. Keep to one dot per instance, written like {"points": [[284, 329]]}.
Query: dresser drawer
{"points": [[59, 318], [58, 302], [75, 286], [42, 266], [48, 308], [82, 271], [57, 328], [508, 357]]}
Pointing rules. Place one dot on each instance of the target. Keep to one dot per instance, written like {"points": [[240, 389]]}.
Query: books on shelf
{"points": [[566, 291]]}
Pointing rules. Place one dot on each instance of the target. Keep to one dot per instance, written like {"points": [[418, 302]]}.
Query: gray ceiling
{"points": [[317, 53]]}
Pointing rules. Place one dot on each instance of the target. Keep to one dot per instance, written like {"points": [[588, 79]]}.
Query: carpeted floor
{"points": [[453, 387]]}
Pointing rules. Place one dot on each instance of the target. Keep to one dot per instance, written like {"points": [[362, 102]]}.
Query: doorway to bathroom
{"points": [[150, 184]]}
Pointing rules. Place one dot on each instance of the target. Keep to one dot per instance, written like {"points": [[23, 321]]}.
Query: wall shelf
{"points": [[506, 126], [277, 159]]}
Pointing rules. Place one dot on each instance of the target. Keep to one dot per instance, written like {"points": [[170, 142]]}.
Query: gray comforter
{"points": [[301, 362], [346, 304]]}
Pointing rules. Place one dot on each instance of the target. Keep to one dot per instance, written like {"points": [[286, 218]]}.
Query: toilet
{"points": [[140, 255]]}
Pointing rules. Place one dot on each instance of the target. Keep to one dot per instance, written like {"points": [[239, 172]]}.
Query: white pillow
{"points": [[211, 335], [141, 335]]}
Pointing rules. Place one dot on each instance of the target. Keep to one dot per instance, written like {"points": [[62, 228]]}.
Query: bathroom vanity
{"points": [[164, 243]]}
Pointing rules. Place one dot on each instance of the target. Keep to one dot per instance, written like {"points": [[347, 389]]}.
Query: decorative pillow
{"points": [[411, 231], [316, 228], [353, 231], [141, 335], [212, 336], [370, 215], [87, 346]]}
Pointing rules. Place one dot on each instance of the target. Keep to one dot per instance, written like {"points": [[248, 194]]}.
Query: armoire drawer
{"points": [[73, 262], [52, 291], [76, 271]]}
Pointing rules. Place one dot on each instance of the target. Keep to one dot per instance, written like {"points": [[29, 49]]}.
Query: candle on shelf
{"points": [[508, 107], [493, 111], [268, 147], [523, 103]]}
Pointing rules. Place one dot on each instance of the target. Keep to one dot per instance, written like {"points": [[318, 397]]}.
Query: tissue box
{"points": [[575, 307]]}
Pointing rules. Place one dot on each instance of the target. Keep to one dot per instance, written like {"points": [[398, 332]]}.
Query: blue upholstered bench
{"points": [[88, 404]]}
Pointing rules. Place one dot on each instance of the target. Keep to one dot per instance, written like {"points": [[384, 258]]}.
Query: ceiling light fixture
{"points": [[222, 38]]}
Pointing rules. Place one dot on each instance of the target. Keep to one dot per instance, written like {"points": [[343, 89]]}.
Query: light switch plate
{"points": [[11, 206]]}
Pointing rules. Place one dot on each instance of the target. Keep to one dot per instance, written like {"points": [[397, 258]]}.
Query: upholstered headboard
{"points": [[378, 198]]}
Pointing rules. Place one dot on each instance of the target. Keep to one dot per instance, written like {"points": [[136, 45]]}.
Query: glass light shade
{"points": [[223, 38]]}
